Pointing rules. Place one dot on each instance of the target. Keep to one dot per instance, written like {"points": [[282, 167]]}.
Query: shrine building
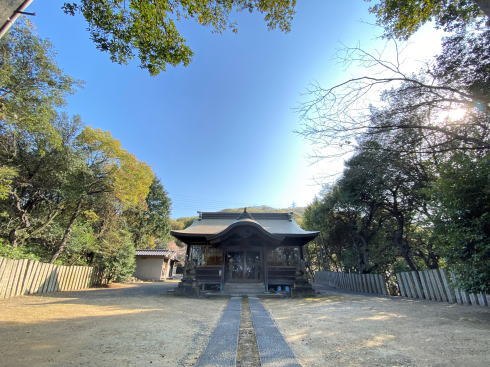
{"points": [[244, 253]]}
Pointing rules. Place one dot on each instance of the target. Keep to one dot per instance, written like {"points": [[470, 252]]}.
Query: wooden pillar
{"points": [[171, 272], [167, 268], [187, 259], [265, 253]]}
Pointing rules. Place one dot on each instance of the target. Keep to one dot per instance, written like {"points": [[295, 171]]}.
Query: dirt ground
{"points": [[351, 330], [138, 325], [133, 325]]}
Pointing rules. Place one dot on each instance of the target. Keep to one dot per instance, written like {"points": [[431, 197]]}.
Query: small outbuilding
{"points": [[155, 264]]}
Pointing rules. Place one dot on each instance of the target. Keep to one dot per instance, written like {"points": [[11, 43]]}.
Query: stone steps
{"points": [[244, 288], [234, 294], [240, 289]]}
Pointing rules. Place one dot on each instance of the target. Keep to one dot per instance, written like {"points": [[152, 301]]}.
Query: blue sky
{"points": [[220, 132]]}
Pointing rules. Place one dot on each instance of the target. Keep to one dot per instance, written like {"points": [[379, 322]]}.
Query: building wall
{"points": [[150, 268]]}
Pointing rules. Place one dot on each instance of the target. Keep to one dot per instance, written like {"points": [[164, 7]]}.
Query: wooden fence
{"points": [[435, 285], [366, 283], [432, 285], [22, 277]]}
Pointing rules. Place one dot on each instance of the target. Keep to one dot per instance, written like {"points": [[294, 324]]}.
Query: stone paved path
{"points": [[273, 349], [223, 343]]}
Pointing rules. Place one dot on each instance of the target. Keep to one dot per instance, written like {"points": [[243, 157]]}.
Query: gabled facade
{"points": [[264, 250]]}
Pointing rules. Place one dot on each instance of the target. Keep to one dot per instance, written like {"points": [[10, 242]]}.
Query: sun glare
{"points": [[456, 114]]}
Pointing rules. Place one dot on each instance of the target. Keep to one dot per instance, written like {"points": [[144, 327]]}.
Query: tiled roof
{"points": [[245, 214], [156, 252], [275, 223]]}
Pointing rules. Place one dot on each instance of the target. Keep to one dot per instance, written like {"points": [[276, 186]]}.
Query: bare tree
{"points": [[446, 104]]}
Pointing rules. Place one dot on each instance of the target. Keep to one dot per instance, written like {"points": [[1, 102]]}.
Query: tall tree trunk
{"points": [[362, 253], [66, 234], [405, 251], [402, 244], [24, 220], [13, 238]]}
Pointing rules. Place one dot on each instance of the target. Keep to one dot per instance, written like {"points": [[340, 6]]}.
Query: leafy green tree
{"points": [[373, 219], [7, 174], [130, 178], [333, 248], [183, 222], [462, 225], [391, 183], [42, 169], [65, 189], [148, 29], [416, 185], [116, 254], [176, 225], [32, 86], [350, 225], [402, 18], [150, 226], [104, 168]]}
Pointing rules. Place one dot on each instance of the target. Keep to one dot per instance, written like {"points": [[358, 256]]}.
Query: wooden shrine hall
{"points": [[244, 253]]}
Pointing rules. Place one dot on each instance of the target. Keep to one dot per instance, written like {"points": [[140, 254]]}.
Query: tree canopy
{"points": [[413, 194], [69, 193], [395, 211], [32, 86], [148, 29], [401, 19]]}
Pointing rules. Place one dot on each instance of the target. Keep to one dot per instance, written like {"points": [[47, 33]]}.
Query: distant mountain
{"points": [[298, 213]]}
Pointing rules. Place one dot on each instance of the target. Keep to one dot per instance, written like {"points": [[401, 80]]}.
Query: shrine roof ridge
{"points": [[236, 215]]}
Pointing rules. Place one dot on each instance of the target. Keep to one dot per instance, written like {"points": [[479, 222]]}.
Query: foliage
{"points": [[151, 226], [130, 178], [116, 255], [149, 28], [402, 18], [463, 222], [175, 224], [83, 240], [69, 196], [32, 86], [11, 252], [7, 174], [183, 222], [414, 194], [369, 216]]}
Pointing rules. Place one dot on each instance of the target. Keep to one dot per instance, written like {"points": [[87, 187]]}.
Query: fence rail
{"points": [[366, 283], [435, 285], [22, 277], [432, 285]]}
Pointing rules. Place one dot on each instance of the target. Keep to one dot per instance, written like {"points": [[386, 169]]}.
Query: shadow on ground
{"points": [[134, 325]]}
